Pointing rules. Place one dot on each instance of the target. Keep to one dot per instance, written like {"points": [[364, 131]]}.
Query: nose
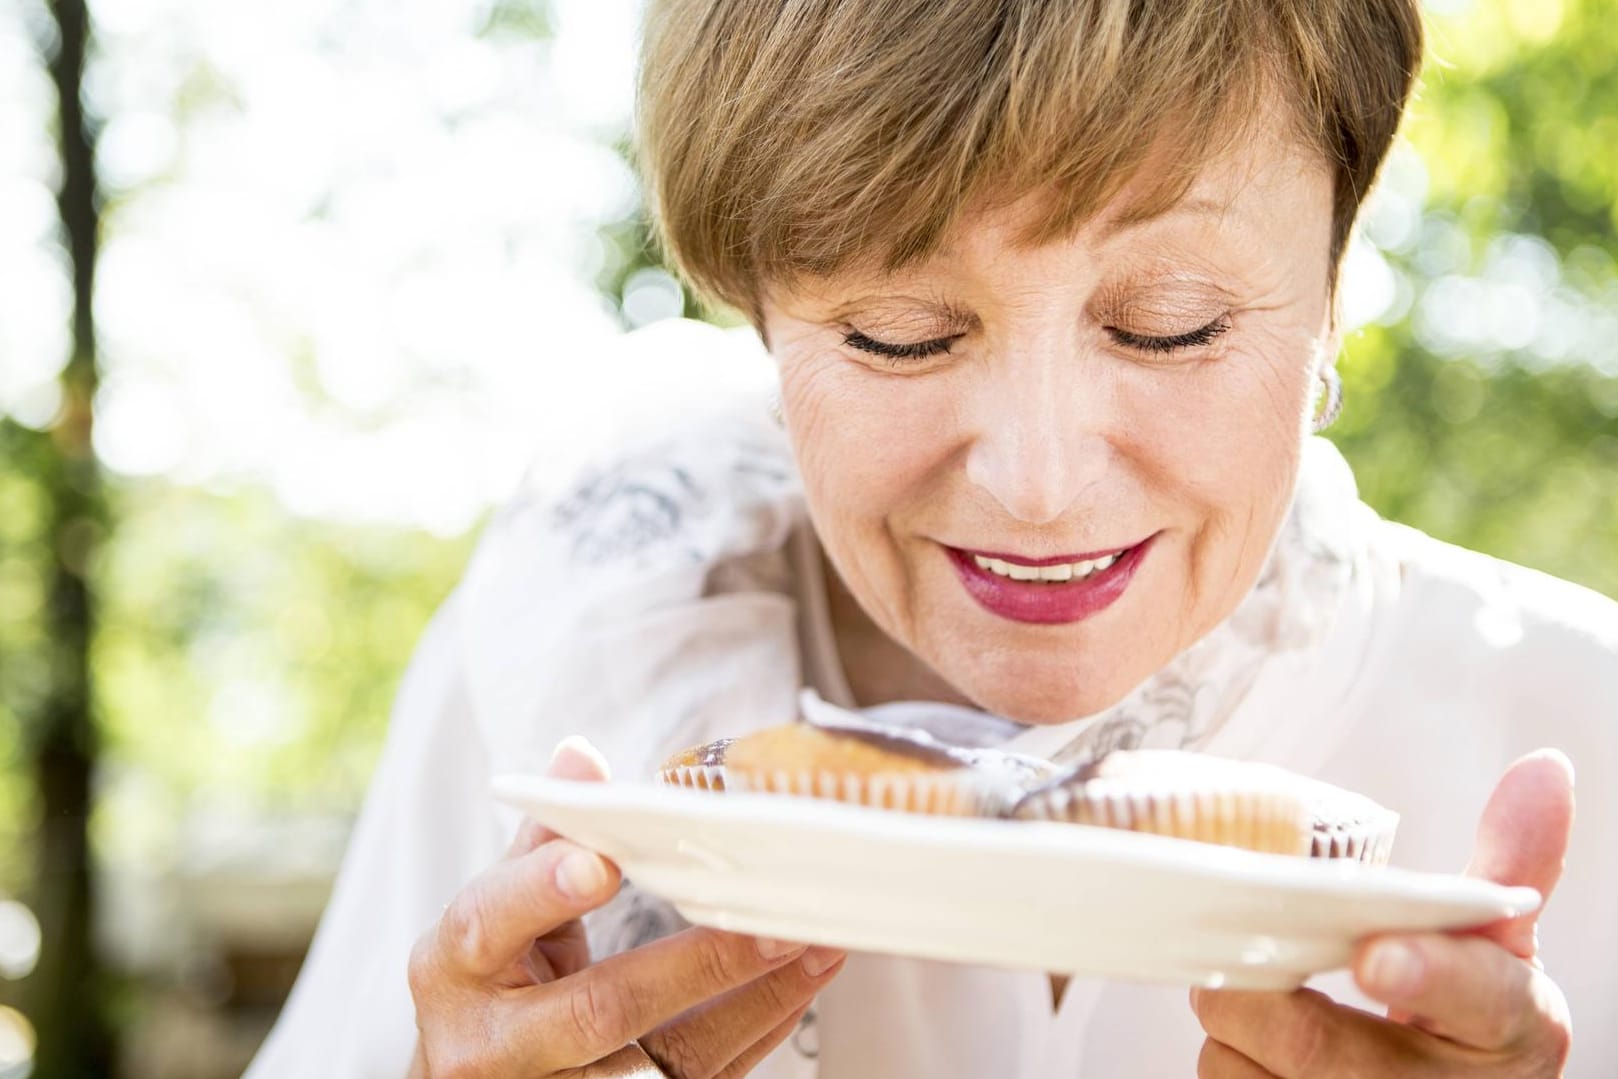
{"points": [[1039, 433]]}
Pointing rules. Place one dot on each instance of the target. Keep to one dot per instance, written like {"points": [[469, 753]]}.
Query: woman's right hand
{"points": [[504, 986]]}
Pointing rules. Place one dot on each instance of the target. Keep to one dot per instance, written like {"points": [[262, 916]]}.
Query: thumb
{"points": [[574, 758], [1522, 839]]}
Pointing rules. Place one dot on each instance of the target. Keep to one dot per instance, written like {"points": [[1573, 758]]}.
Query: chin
{"points": [[1044, 698]]}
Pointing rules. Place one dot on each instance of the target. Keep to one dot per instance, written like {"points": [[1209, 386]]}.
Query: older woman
{"points": [[1049, 287]]}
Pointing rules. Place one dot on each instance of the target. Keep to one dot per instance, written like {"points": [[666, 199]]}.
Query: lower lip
{"points": [[1050, 603]]}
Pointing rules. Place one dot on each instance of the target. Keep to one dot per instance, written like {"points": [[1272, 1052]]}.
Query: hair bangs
{"points": [[783, 141]]}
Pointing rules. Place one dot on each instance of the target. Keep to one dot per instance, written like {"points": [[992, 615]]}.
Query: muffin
{"points": [[698, 768], [846, 757], [1348, 825], [870, 765], [1232, 803]]}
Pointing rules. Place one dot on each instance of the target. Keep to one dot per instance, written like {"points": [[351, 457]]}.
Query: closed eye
{"points": [[1194, 339], [918, 350]]}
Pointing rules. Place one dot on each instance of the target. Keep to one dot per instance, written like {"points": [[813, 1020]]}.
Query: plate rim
{"points": [[1139, 850]]}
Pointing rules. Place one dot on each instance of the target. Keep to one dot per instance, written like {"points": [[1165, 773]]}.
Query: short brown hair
{"points": [[785, 138]]}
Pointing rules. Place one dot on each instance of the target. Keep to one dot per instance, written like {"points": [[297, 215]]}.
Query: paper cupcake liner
{"points": [[1211, 800], [1347, 825], [941, 795], [697, 777], [1368, 840], [944, 794], [1266, 821]]}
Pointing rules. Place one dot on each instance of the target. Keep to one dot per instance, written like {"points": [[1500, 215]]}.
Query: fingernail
{"points": [[1393, 968], [581, 874], [772, 949], [817, 961], [578, 746]]}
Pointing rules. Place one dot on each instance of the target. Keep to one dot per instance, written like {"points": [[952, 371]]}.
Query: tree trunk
{"points": [[66, 996]]}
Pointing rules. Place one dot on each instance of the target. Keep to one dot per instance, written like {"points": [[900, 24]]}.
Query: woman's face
{"points": [[1123, 409]]}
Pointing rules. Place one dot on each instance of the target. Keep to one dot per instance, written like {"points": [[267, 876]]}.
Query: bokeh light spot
{"points": [[17, 1044], [19, 942], [651, 295]]}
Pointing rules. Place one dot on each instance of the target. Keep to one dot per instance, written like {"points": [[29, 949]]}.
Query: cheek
{"points": [[869, 446], [1240, 431], [1231, 448], [873, 460]]}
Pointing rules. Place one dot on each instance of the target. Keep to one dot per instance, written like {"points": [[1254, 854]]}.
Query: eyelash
{"points": [[1195, 339], [921, 350]]}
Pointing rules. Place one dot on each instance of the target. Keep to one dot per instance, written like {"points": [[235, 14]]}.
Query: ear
{"points": [[1327, 348], [1331, 329]]}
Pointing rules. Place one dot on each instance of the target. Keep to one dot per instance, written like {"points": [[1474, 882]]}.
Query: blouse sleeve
{"points": [[427, 826]]}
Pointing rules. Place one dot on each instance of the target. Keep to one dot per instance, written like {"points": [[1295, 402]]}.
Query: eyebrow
{"points": [[1124, 221], [935, 306], [1127, 219], [1197, 207]]}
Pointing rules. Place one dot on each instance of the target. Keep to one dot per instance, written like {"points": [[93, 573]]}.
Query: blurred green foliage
{"points": [[240, 649], [1501, 449], [24, 650], [250, 655]]}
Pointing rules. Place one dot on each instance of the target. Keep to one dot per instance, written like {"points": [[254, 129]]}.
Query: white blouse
{"points": [[674, 595]]}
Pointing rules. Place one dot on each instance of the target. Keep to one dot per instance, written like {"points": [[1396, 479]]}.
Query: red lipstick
{"points": [[1048, 602]]}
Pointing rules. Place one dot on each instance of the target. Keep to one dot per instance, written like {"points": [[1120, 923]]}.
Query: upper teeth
{"points": [[1064, 571]]}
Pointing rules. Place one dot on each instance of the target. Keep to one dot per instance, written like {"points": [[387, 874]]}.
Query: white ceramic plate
{"points": [[1045, 896]]}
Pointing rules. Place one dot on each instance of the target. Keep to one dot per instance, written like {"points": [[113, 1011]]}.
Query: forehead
{"points": [[1266, 176], [1265, 194]]}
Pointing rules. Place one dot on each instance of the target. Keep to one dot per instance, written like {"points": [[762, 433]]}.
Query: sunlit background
{"points": [[360, 265]]}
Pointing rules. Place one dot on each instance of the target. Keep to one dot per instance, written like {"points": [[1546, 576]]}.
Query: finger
{"points": [[755, 1053], [574, 758], [1219, 1061], [494, 921], [1523, 836], [1306, 1035], [563, 951], [582, 1018], [706, 1039], [1467, 989]]}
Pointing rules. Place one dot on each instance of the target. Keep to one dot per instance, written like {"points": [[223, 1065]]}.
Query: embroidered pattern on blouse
{"points": [[651, 500], [628, 508], [806, 1038], [631, 920]]}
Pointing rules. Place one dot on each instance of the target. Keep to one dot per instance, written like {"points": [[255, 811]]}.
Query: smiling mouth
{"points": [[1066, 588], [1049, 571]]}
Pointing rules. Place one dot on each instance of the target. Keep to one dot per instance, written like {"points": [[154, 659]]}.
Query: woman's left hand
{"points": [[1475, 1004]]}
